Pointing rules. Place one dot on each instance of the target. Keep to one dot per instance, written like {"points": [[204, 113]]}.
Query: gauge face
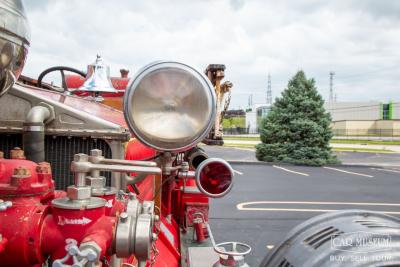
{"points": [[170, 106]]}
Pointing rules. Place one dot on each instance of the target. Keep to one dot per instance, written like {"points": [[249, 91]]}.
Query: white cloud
{"points": [[359, 40]]}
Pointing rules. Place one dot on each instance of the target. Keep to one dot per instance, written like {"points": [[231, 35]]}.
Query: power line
{"points": [[331, 86]]}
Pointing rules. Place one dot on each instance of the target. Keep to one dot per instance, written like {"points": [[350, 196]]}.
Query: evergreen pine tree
{"points": [[297, 128]]}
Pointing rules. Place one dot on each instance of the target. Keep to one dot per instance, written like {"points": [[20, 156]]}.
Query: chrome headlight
{"points": [[170, 106], [14, 42]]}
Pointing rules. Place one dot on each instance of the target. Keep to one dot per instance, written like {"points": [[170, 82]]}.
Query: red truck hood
{"points": [[96, 109]]}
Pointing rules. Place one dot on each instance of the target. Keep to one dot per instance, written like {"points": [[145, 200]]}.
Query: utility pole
{"points": [[269, 91], [250, 101], [331, 86]]}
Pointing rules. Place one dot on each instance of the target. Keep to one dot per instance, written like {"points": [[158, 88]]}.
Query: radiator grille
{"points": [[59, 151]]}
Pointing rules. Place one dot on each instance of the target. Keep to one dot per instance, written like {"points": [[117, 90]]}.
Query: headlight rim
{"points": [[138, 78]]}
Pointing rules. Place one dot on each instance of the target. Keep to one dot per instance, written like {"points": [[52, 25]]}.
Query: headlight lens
{"points": [[170, 106]]}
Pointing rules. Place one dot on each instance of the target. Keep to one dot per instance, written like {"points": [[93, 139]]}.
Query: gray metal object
{"points": [[98, 78], [33, 132], [67, 121], [170, 106], [74, 204], [96, 182], [233, 257], [86, 255], [14, 42], [4, 205], [195, 156], [134, 231], [342, 238], [201, 256], [79, 194]]}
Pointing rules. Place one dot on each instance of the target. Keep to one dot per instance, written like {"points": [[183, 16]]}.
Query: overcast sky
{"points": [[358, 40]]}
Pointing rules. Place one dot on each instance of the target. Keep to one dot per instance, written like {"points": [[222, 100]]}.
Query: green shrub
{"points": [[297, 129]]}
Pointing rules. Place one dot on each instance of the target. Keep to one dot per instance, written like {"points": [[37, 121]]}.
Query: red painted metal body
{"points": [[32, 229], [179, 208]]}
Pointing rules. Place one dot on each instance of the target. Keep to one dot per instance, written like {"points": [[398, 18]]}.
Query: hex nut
{"points": [[123, 217], [81, 157], [78, 193], [96, 153], [43, 167], [21, 171], [96, 182], [17, 153]]}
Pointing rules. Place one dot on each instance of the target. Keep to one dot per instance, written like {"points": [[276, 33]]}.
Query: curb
{"points": [[345, 165]]}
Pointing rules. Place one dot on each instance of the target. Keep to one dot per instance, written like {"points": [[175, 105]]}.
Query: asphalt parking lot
{"points": [[268, 200], [353, 158]]}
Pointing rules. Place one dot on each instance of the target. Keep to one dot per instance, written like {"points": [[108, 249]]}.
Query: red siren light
{"points": [[214, 177]]}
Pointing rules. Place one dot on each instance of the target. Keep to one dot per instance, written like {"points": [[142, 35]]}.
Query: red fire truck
{"points": [[85, 184]]}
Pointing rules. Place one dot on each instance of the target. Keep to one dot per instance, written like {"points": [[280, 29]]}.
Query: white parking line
{"points": [[243, 206], [387, 170], [238, 172], [354, 173], [299, 173]]}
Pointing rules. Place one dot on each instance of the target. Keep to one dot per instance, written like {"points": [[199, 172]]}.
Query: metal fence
{"points": [[336, 132], [239, 130]]}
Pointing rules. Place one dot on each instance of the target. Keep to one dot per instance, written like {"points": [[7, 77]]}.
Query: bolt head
{"points": [[79, 192], [154, 237], [17, 153], [91, 256], [123, 216], [43, 167], [22, 171], [96, 182], [81, 157], [96, 153]]}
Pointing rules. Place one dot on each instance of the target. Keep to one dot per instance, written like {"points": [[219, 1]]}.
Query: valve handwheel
{"points": [[220, 249], [61, 69]]}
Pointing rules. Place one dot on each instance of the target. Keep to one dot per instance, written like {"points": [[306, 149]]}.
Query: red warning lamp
{"points": [[214, 177]]}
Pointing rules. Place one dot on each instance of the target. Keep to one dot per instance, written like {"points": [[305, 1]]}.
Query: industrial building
{"points": [[348, 118], [254, 114], [365, 118]]}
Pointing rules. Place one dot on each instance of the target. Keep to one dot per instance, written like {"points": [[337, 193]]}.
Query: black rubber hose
{"points": [[33, 141]]}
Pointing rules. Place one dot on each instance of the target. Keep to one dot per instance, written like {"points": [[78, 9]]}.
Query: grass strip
{"points": [[371, 150]]}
